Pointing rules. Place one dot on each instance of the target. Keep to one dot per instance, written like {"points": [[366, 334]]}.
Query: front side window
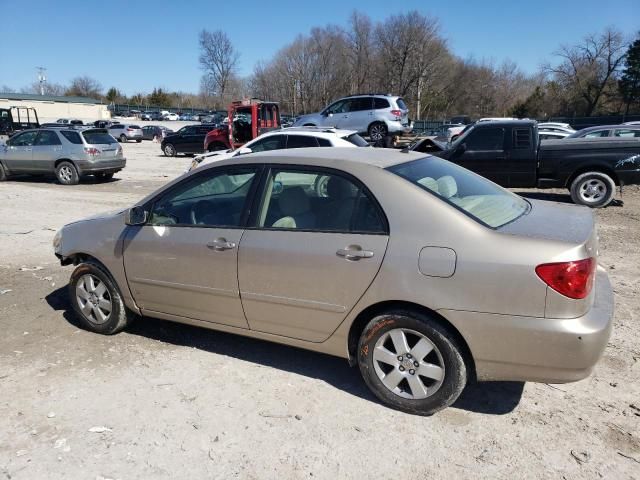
{"points": [[476, 196], [214, 199], [47, 137], [339, 107], [486, 139], [273, 142], [24, 139], [318, 201]]}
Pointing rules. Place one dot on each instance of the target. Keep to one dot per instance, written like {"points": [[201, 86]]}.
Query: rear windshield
{"points": [[357, 140], [134, 126], [401, 104], [98, 138], [476, 196], [73, 137]]}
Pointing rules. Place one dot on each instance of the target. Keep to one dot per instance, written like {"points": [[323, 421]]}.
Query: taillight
{"points": [[396, 113], [130, 129], [92, 151], [571, 279]]}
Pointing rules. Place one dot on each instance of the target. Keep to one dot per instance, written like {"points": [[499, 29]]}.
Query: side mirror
{"points": [[244, 151], [135, 216], [461, 148], [325, 113]]}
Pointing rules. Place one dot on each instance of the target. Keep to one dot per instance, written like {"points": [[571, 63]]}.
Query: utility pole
{"points": [[41, 78]]}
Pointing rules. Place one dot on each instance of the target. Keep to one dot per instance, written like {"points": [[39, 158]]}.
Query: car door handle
{"points": [[221, 244], [354, 253]]}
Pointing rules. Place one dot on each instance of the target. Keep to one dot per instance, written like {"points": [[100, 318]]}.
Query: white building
{"points": [[50, 108]]}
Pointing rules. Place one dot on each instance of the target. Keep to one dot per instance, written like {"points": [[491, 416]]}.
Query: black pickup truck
{"points": [[510, 154]]}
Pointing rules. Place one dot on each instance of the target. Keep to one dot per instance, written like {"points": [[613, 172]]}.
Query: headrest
{"points": [[430, 183], [447, 186], [293, 201], [338, 188]]}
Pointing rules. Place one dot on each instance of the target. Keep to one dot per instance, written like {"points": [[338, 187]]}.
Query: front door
{"points": [[484, 153], [19, 152], [183, 262], [312, 253]]}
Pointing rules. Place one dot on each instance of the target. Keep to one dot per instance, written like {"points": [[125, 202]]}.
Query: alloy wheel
{"points": [[93, 299], [408, 363], [66, 174], [593, 190]]}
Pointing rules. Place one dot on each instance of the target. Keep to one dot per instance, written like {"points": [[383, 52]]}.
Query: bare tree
{"points": [[218, 60], [588, 68], [6, 89], [84, 87]]}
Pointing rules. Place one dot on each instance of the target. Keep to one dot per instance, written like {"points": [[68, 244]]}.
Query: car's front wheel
{"points": [[67, 173], [169, 150], [593, 189], [96, 300], [411, 362]]}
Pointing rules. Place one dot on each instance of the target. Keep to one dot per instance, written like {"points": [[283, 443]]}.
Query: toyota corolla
{"points": [[423, 274]]}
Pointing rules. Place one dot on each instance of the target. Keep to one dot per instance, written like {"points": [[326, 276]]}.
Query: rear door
{"points": [[47, 148], [483, 152], [521, 157], [19, 152], [360, 114], [311, 255]]}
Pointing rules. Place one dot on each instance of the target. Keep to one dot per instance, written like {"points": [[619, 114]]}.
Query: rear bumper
{"points": [[398, 127], [86, 167], [538, 349]]}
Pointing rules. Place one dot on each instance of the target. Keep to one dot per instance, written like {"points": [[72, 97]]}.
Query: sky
{"points": [[138, 45]]}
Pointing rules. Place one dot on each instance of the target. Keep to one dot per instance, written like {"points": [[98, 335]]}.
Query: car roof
{"points": [[607, 127], [375, 157], [313, 131]]}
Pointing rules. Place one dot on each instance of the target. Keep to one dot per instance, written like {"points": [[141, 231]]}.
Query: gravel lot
{"points": [[171, 401]]}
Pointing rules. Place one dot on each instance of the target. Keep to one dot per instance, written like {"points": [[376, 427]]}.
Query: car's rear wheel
{"points": [[169, 150], [593, 189], [123, 138], [411, 362], [96, 300], [67, 174], [377, 131]]}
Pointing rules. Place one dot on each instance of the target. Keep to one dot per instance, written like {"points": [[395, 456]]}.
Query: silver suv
{"points": [[64, 152], [126, 131], [372, 114]]}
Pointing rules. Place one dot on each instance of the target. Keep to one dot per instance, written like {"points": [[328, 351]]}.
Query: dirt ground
{"points": [[170, 401]]}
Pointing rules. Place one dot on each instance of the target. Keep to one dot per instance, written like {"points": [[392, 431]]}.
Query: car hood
{"points": [[100, 216], [306, 118]]}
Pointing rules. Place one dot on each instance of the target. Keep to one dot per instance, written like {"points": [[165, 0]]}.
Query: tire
{"points": [[67, 173], [308, 125], [110, 320], [138, 141], [377, 131], [593, 189], [169, 150], [123, 139], [3, 174], [444, 362]]}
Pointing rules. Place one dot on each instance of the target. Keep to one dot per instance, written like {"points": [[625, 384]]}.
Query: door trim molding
{"points": [[294, 302], [185, 286]]}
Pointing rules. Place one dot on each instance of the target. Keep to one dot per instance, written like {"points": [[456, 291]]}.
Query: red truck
{"points": [[247, 120]]}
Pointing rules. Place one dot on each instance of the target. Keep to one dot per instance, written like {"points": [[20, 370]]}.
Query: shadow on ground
{"points": [[46, 179], [495, 398]]}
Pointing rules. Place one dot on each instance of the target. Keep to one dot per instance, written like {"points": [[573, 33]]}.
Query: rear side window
{"points": [[114, 127], [357, 140], [626, 133], [98, 138], [401, 104], [47, 137], [73, 137], [323, 142], [360, 104], [301, 141], [521, 138], [134, 126], [380, 103]]}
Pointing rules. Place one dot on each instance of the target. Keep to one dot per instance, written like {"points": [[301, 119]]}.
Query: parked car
{"points": [[155, 132], [104, 123], [171, 116], [68, 154], [146, 116], [188, 139], [416, 300], [510, 154], [550, 135], [69, 121], [632, 123], [373, 115], [287, 138], [126, 131], [555, 127], [625, 131]]}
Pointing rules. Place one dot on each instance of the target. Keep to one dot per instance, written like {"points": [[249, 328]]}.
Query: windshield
{"points": [[476, 196], [357, 140], [462, 135]]}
